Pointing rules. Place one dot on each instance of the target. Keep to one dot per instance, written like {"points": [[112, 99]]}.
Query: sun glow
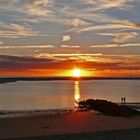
{"points": [[77, 72]]}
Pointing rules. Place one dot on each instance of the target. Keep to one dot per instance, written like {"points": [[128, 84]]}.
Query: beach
{"points": [[70, 125], [70, 69], [34, 110]]}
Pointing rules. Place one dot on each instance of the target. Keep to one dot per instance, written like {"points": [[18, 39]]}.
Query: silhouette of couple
{"points": [[123, 100]]}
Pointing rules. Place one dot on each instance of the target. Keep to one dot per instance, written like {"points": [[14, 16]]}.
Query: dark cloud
{"points": [[11, 63]]}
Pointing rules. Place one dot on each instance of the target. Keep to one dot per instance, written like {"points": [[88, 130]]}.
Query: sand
{"points": [[76, 125]]}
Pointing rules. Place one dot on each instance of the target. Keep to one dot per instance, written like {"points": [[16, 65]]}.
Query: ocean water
{"points": [[30, 95]]}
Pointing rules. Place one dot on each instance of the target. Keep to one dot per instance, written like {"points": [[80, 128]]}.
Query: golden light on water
{"points": [[76, 92]]}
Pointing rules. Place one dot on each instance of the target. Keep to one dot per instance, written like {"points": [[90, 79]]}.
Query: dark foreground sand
{"points": [[130, 134], [71, 126]]}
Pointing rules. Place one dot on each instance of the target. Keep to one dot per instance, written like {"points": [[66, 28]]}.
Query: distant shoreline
{"points": [[64, 77], [4, 80]]}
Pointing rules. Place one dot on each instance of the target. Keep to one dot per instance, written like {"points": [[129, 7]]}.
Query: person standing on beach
{"points": [[124, 99], [121, 99]]}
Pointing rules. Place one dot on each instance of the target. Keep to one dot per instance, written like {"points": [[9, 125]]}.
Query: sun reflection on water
{"points": [[76, 93]]}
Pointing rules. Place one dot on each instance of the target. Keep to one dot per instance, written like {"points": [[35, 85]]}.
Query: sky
{"points": [[53, 37]]}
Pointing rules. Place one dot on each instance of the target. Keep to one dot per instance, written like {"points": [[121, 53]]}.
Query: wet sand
{"points": [[73, 125]]}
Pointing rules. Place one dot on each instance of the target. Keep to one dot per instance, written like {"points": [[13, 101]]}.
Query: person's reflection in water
{"points": [[76, 93]]}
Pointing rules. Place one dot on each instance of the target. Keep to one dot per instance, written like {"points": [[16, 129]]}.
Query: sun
{"points": [[77, 72]]}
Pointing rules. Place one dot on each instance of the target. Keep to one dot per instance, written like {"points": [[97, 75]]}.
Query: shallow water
{"points": [[27, 95]]}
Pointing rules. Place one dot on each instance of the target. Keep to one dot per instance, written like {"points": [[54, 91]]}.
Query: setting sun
{"points": [[77, 72]]}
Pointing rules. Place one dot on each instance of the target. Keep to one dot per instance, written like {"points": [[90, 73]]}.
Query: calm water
{"points": [[23, 95]]}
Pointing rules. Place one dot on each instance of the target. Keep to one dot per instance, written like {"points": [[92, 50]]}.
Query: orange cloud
{"points": [[13, 64]]}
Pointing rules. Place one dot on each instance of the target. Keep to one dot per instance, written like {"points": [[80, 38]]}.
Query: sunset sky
{"points": [[53, 37]]}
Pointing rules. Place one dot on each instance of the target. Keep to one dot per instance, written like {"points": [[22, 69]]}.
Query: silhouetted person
{"points": [[121, 99], [124, 99]]}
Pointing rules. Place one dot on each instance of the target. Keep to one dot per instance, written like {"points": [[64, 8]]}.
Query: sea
{"points": [[64, 94]]}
